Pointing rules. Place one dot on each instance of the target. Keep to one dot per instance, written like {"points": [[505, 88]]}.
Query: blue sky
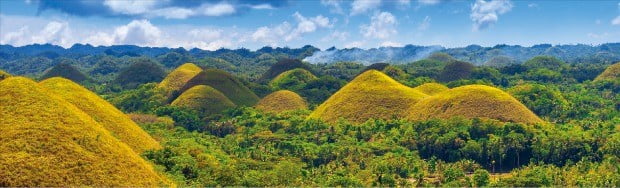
{"points": [[214, 24]]}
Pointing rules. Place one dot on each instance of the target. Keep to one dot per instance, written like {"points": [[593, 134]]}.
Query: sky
{"points": [[252, 24]]}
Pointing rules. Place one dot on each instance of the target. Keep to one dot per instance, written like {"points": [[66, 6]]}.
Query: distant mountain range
{"points": [[608, 52]]}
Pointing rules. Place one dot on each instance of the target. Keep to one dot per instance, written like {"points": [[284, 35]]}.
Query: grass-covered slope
{"points": [[119, 124], [140, 72], [370, 95], [610, 73], [473, 101], [226, 83], [4, 75], [292, 79], [204, 99], [46, 141], [177, 78], [281, 66], [66, 71], [282, 101], [431, 88]]}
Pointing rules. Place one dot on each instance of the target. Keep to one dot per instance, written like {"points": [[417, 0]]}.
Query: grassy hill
{"points": [[611, 72], [431, 88], [4, 75], [119, 124], [140, 72], [281, 66], [66, 71], [46, 141], [370, 95], [226, 83], [473, 101], [282, 101], [292, 79], [179, 77], [204, 99]]}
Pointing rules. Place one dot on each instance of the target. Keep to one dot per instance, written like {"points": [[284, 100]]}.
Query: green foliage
{"points": [[545, 62], [281, 66], [545, 101], [224, 82], [481, 178], [295, 79], [455, 70], [143, 99]]}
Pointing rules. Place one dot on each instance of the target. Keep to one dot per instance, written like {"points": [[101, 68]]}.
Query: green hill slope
{"points": [[204, 99], [226, 83], [282, 101]]}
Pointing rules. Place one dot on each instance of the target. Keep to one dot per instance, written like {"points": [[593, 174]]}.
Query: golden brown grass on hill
{"points": [[372, 94], [282, 101], [474, 101], [204, 99], [103, 112], [48, 142], [226, 83], [179, 77], [610, 73], [431, 88]]}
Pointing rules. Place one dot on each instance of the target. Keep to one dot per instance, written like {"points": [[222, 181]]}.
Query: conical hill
{"points": [[474, 101], [119, 124], [226, 83], [204, 99], [611, 73], [282, 101], [370, 95], [179, 77], [46, 141]]}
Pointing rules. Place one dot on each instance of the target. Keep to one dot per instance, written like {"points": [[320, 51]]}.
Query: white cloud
{"points": [[54, 32], [403, 2], [426, 23], [131, 7], [262, 7], [139, 32], [362, 6], [148, 8], [532, 5], [391, 44], [616, 21], [335, 6], [484, 13], [598, 36], [285, 32], [429, 2], [382, 25], [17, 37], [219, 9]]}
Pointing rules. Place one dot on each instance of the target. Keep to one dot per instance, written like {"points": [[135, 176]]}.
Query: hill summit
{"points": [[66, 71], [226, 83], [204, 99], [292, 79], [46, 141], [372, 94], [103, 112], [431, 88], [179, 77], [282, 101], [611, 72], [474, 101]]}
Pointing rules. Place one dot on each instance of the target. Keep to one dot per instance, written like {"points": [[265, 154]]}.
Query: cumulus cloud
{"points": [[272, 35], [336, 35], [485, 13], [616, 21], [355, 44], [382, 25], [362, 6]]}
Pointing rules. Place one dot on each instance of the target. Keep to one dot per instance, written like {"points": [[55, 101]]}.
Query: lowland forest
{"points": [[500, 116]]}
